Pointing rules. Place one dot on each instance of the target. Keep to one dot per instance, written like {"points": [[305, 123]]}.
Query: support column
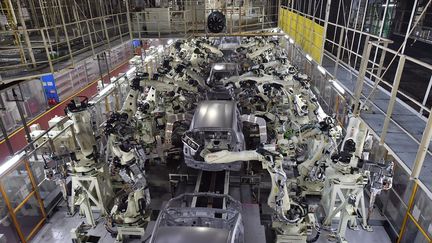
{"points": [[327, 14], [423, 149], [339, 51], [378, 77], [21, 113], [379, 36], [361, 77], [65, 32], [129, 20], [90, 37], [426, 96], [47, 51], [26, 35], [3, 129], [393, 97]]}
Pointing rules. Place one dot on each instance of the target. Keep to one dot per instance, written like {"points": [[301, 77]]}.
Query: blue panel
{"points": [[136, 43], [49, 85]]}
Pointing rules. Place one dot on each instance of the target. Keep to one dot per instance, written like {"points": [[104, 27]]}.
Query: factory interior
{"points": [[211, 121]]}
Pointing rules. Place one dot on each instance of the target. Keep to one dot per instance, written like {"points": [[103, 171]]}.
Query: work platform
{"points": [[405, 120]]}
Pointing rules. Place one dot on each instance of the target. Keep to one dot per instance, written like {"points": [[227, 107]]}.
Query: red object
{"points": [[52, 102]]}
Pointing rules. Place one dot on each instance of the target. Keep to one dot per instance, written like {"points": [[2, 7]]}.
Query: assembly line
{"points": [[218, 107]]}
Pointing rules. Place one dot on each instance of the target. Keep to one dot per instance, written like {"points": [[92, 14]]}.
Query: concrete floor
{"points": [[57, 230]]}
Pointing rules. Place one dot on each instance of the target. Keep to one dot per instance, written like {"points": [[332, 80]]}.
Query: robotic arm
{"points": [[78, 112], [211, 49], [278, 198], [260, 51], [130, 103]]}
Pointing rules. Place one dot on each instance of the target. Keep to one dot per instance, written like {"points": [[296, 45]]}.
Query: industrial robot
{"points": [[91, 185], [292, 223], [346, 177]]}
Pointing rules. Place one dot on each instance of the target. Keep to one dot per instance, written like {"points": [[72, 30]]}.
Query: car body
{"points": [[181, 222], [216, 125]]}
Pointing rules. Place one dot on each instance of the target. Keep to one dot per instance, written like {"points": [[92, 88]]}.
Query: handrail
{"points": [[421, 63]]}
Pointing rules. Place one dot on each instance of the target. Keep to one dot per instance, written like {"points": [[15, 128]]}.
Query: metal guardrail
{"points": [[408, 202], [31, 156], [47, 49]]}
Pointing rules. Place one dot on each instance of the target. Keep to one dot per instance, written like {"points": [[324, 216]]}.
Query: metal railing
{"points": [[32, 95], [423, 32], [51, 49], [159, 23], [406, 205], [31, 159]]}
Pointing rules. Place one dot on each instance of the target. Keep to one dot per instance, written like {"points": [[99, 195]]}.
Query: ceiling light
{"points": [[10, 163], [321, 69], [337, 86]]}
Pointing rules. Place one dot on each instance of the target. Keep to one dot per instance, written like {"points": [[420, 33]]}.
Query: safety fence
{"points": [[26, 101], [50, 49], [24, 180], [29, 191], [304, 31], [406, 205]]}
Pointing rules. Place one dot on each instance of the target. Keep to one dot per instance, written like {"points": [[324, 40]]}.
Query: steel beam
{"points": [[361, 76], [66, 33], [423, 149], [129, 20], [25, 33], [339, 51], [409, 26], [393, 97]]}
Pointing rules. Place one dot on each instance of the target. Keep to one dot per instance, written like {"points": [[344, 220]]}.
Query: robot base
{"points": [[97, 187]]}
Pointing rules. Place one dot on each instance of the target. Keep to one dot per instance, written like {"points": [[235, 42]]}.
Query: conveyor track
{"points": [[214, 182]]}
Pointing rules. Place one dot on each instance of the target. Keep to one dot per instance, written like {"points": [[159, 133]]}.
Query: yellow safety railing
{"points": [[408, 215], [16, 207], [305, 32]]}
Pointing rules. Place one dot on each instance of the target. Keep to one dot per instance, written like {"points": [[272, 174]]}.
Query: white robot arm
{"points": [[80, 115], [212, 49], [260, 51], [278, 198]]}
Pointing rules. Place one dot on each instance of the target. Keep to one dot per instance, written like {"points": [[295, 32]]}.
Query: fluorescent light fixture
{"points": [[308, 57], [291, 41], [170, 41], [321, 69], [105, 90], [389, 5], [218, 67], [337, 86], [11, 162], [130, 71]]}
